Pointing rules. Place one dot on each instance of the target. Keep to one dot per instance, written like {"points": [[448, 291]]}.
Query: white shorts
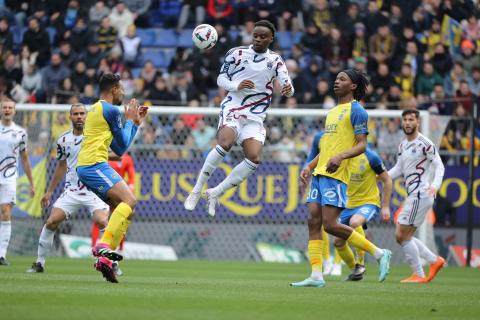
{"points": [[415, 210], [245, 128], [70, 202], [8, 193]]}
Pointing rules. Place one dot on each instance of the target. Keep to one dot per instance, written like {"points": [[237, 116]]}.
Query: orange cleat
{"points": [[435, 267], [414, 278]]}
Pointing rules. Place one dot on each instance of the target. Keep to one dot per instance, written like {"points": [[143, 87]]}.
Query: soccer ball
{"points": [[204, 36]]}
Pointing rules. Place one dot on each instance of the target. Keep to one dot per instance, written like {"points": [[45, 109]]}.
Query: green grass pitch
{"points": [[71, 289]]}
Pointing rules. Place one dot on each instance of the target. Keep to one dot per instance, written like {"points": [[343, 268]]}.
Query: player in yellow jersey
{"points": [[345, 137], [104, 129], [363, 204]]}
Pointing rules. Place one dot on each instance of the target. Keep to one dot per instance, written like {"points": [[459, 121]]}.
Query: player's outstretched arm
{"points": [[58, 174], [28, 170], [387, 194]]}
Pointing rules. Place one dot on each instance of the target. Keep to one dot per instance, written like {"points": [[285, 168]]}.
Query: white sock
{"points": [[413, 257], [425, 253], [316, 275], [5, 233], [213, 160], [44, 244], [378, 253], [241, 172]]}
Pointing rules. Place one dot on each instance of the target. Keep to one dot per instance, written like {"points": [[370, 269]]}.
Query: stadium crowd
{"points": [[419, 53]]}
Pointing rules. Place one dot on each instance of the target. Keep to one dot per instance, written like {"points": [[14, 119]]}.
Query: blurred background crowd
{"points": [[423, 54]]}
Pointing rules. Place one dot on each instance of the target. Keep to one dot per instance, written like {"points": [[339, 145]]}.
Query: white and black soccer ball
{"points": [[204, 36]]}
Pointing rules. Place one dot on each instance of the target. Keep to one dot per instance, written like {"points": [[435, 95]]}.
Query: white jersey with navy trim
{"points": [[243, 63], [68, 148], [420, 164], [13, 140]]}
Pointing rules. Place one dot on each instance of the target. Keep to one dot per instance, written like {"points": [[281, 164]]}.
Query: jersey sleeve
{"points": [[437, 163], [375, 161], [281, 73], [315, 150], [23, 141], [122, 135], [61, 154], [230, 67], [359, 119]]}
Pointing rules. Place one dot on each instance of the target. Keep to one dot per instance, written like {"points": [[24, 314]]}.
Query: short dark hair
{"points": [[76, 105], [411, 111], [108, 81], [266, 24]]}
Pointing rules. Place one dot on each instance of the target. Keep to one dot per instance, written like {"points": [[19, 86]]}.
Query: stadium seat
{"points": [[147, 36], [185, 39], [136, 72], [17, 34], [157, 56], [165, 38], [284, 40], [296, 37]]}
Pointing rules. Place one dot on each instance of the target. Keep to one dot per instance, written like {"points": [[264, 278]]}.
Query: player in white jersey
{"points": [[420, 165], [248, 74], [75, 195], [13, 143]]}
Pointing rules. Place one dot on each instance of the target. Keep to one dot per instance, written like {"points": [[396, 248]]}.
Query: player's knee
{"points": [[314, 223], [399, 237], [329, 226], [51, 224]]}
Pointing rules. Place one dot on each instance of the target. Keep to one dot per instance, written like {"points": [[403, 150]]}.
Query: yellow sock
{"points": [[117, 226], [360, 242], [315, 254], [326, 245], [347, 255], [360, 252], [338, 258]]}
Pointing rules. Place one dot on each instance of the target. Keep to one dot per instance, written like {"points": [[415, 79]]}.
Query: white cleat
{"points": [[192, 200], [211, 202], [337, 269]]}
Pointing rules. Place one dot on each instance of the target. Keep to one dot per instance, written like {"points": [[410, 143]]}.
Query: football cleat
{"points": [[105, 267], [102, 250], [36, 268], [309, 282], [192, 201], [4, 262], [414, 278], [384, 268], [357, 273], [211, 202], [435, 267]]}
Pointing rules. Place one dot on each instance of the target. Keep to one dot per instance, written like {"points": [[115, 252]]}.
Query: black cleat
{"points": [[105, 251], [36, 268], [105, 267], [357, 273], [4, 262]]}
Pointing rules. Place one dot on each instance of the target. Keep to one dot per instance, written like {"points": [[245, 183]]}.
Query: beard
{"points": [[409, 131]]}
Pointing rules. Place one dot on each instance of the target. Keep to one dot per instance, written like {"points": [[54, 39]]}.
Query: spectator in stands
{"points": [[189, 6], [160, 94], [220, 12], [433, 37], [128, 84], [148, 74], [38, 41], [312, 39], [408, 34], [335, 47], [320, 15], [243, 11], [359, 42], [103, 68], [6, 37], [32, 83], [373, 17], [299, 56], [474, 81], [26, 59], [458, 9], [69, 57], [394, 97], [88, 97], [115, 61], [92, 58], [413, 57], [140, 10], [406, 80], [471, 28], [297, 82], [80, 36], [19, 9], [184, 89], [441, 60], [224, 42], [205, 70], [106, 35], [131, 46], [11, 69], [180, 133], [65, 91], [419, 20], [451, 144], [396, 19], [139, 92], [245, 36], [389, 137], [311, 76], [381, 46], [79, 76], [72, 13], [427, 80], [203, 134], [322, 91], [349, 22], [182, 61], [441, 101], [291, 16], [469, 58], [53, 74], [452, 80], [121, 17], [190, 120], [97, 12], [383, 79], [464, 96]]}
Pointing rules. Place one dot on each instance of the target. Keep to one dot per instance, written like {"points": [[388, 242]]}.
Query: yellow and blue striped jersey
{"points": [[343, 123], [362, 188], [103, 130]]}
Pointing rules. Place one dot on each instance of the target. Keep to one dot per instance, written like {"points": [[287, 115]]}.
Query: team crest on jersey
{"points": [[363, 166], [342, 114], [269, 65]]}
